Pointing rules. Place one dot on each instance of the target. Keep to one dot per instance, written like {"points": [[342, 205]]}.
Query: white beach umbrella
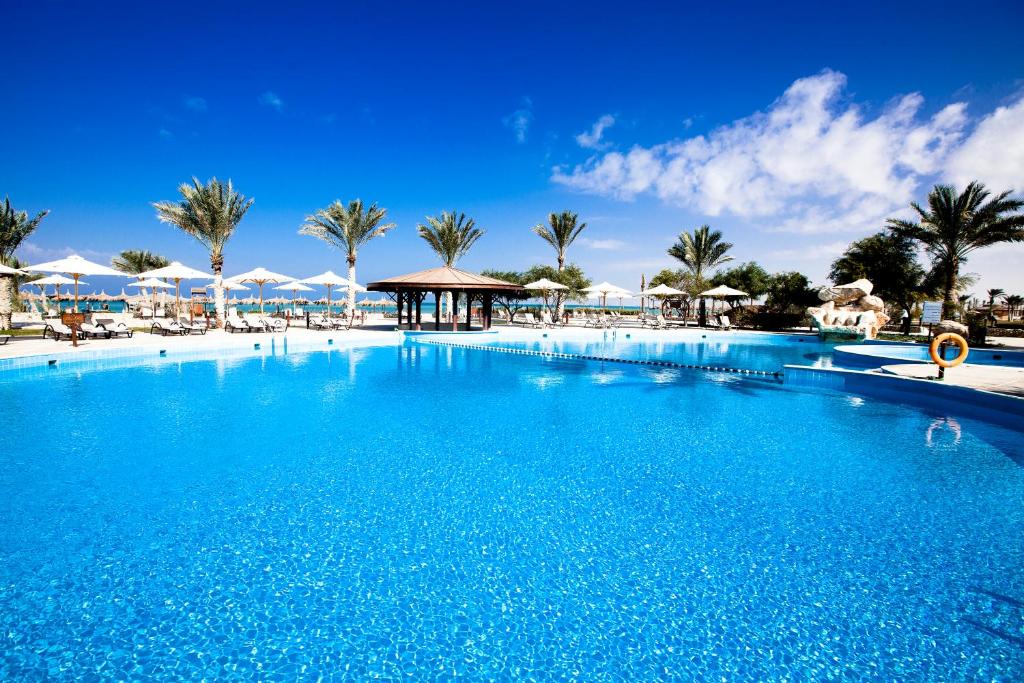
{"points": [[56, 281], [327, 279], [7, 270], [545, 285], [604, 289], [294, 287], [721, 291], [76, 267], [662, 290], [260, 277], [150, 283], [177, 272]]}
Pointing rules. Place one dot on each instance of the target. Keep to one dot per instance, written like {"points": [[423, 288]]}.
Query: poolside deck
{"points": [[1001, 380]]}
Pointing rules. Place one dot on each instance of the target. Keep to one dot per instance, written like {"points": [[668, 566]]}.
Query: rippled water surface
{"points": [[429, 512], [738, 350]]}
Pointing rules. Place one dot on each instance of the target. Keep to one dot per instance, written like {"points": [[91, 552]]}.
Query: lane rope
{"points": [[604, 359]]}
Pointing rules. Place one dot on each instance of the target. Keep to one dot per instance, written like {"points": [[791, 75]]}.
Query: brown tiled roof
{"points": [[441, 278]]}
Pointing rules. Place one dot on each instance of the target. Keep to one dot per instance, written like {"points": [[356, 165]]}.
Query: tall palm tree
{"points": [[135, 261], [210, 213], [1013, 303], [15, 226], [954, 225], [560, 232], [702, 251], [992, 294], [450, 235], [348, 228]]}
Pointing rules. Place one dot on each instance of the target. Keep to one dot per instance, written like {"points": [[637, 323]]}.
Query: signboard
{"points": [[72, 319], [931, 312]]}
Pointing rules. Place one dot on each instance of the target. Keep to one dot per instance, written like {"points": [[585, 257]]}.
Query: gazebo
{"points": [[410, 291]]}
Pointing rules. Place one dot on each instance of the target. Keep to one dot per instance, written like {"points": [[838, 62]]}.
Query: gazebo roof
{"points": [[444, 277]]}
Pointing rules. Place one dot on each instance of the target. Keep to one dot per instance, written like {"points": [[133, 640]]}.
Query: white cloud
{"points": [[165, 134], [608, 244], [34, 253], [813, 252], [270, 99], [592, 139], [805, 164], [519, 120], [994, 152], [195, 103]]}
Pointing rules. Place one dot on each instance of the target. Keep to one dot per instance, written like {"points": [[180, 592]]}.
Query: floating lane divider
{"points": [[605, 359]]}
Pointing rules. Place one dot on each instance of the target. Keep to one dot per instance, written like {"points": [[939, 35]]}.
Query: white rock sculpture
{"points": [[849, 312]]}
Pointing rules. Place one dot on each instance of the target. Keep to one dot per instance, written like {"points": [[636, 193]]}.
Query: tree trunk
{"points": [[351, 290], [218, 297], [948, 303], [6, 301], [559, 297]]}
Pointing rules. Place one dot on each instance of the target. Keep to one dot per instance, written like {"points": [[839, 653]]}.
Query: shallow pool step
{"points": [[605, 359]]}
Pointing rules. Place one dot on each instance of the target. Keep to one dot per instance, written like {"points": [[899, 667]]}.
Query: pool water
{"points": [[737, 350], [422, 511]]}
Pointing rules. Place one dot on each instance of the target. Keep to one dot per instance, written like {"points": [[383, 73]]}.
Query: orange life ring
{"points": [[933, 350]]}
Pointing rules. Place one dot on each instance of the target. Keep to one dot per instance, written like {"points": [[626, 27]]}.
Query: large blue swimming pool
{"points": [[427, 512]]}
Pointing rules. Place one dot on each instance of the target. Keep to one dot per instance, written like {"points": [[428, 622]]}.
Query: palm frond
{"points": [[450, 235]]}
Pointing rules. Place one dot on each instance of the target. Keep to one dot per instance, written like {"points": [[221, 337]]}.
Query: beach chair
{"points": [[191, 327], [547, 321], [166, 327], [319, 322], [115, 329], [57, 330], [4, 338], [233, 323], [724, 321], [255, 323], [274, 324], [529, 320], [94, 331]]}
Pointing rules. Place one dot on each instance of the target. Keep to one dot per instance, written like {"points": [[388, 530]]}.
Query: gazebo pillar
{"points": [[455, 311], [469, 311], [399, 292], [408, 307], [419, 302], [488, 303], [437, 310]]}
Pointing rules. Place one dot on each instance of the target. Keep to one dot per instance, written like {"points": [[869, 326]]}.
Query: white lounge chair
{"points": [[725, 322], [94, 331], [274, 324], [319, 322], [57, 330], [166, 327], [115, 329], [233, 323], [190, 326], [255, 322]]}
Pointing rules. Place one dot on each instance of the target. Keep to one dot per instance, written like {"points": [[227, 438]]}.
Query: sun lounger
{"points": [[166, 327], [94, 331], [318, 322], [4, 338], [115, 329], [274, 324], [547, 321], [725, 322], [255, 322], [191, 327], [529, 320], [233, 323], [57, 330]]}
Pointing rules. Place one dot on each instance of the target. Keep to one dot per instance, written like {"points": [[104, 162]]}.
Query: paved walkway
{"points": [[1001, 380]]}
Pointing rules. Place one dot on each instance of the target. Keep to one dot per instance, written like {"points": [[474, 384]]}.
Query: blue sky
{"points": [[793, 128]]}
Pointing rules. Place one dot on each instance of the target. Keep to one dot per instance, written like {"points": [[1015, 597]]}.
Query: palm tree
{"points": [[1013, 302], [137, 261], [954, 225], [348, 228], [15, 226], [701, 251], [450, 236], [992, 294], [560, 232], [210, 213]]}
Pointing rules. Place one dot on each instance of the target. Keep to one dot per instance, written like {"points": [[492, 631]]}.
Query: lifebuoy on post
{"points": [[933, 350]]}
